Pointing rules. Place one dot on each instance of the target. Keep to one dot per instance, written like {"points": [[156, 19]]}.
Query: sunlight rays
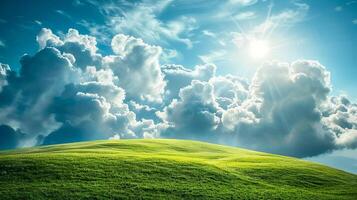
{"points": [[257, 42]]}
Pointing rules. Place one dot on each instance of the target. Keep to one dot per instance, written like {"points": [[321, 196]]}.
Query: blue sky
{"points": [[323, 30], [157, 66]]}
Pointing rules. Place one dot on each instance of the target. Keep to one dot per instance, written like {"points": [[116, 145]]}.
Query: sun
{"points": [[258, 49]]}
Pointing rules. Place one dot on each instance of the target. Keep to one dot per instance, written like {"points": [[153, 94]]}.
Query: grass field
{"points": [[164, 169]]}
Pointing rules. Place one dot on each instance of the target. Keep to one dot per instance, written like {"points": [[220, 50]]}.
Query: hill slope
{"points": [[171, 169]]}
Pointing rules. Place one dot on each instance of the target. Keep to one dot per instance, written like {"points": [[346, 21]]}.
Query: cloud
{"points": [[25, 97], [209, 33], [38, 22], [194, 115], [284, 110], [141, 20], [354, 21], [4, 71], [213, 57], [68, 92], [245, 15], [230, 91], [2, 43], [283, 18], [137, 67], [47, 38], [285, 102], [178, 77], [340, 116], [243, 2], [350, 3], [338, 8], [82, 47], [89, 111], [63, 13], [9, 138]]}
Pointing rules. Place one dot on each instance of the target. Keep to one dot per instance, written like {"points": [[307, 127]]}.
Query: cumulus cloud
{"points": [[285, 109], [229, 91], [194, 115], [136, 64], [178, 77], [90, 111], [68, 92], [285, 101], [82, 47], [47, 38], [25, 97], [340, 116]]}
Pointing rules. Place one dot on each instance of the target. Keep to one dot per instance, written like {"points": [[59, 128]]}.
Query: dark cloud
{"points": [[9, 138], [25, 98]]}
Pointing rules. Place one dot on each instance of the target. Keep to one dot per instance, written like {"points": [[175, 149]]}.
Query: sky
{"points": [[274, 76]]}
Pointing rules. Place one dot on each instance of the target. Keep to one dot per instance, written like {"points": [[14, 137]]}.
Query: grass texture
{"points": [[164, 169]]}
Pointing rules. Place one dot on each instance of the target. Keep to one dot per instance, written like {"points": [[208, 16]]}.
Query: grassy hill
{"points": [[168, 169]]}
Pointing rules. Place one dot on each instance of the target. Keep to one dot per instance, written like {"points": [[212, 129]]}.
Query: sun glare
{"points": [[258, 49]]}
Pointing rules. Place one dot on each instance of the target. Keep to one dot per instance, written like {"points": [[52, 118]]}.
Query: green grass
{"points": [[164, 169]]}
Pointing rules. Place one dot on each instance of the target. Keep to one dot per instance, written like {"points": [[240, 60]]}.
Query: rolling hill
{"points": [[164, 169]]}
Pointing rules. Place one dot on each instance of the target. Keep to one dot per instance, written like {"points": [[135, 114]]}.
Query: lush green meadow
{"points": [[164, 169]]}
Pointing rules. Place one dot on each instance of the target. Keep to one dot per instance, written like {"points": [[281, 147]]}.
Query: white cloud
{"points": [[194, 114], [26, 97], [47, 38], [81, 48], [245, 15], [2, 44], [136, 60], [338, 8], [38, 22], [282, 111], [63, 13], [4, 71], [208, 33], [178, 77], [213, 57], [230, 91], [88, 42], [286, 17], [89, 111], [140, 20], [243, 2], [67, 87]]}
